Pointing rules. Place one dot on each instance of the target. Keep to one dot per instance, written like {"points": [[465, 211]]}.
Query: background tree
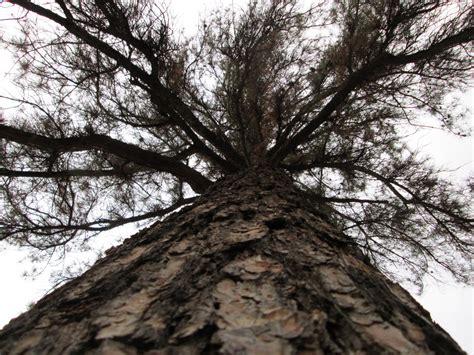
{"points": [[121, 118]]}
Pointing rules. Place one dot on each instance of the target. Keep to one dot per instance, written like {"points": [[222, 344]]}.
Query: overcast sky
{"points": [[450, 305]]}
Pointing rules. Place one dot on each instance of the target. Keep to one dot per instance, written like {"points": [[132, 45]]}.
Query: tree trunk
{"points": [[251, 268]]}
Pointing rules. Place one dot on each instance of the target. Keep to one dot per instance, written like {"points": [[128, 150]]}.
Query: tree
{"points": [[288, 120]]}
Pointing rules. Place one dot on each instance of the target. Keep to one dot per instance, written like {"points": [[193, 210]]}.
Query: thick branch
{"points": [[99, 225], [376, 68], [352, 200], [165, 98], [60, 174], [390, 184], [112, 146]]}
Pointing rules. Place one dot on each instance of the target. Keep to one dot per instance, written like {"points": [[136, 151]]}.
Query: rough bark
{"points": [[251, 268]]}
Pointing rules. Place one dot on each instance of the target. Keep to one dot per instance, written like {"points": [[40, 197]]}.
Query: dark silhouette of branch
{"points": [[391, 184], [60, 174], [380, 66], [130, 152], [98, 225], [170, 103]]}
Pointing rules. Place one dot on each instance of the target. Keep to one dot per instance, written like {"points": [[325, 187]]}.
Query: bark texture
{"points": [[251, 268]]}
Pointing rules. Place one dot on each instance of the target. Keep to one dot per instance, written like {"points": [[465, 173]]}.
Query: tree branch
{"points": [[99, 225], [376, 68], [165, 98], [60, 174], [414, 200], [352, 200], [112, 146]]}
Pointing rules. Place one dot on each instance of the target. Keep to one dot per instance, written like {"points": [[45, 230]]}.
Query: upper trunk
{"points": [[252, 267]]}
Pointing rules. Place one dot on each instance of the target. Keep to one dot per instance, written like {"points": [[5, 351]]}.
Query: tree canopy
{"points": [[121, 119]]}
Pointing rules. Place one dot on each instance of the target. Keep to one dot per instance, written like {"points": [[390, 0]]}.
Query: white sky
{"points": [[450, 305]]}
